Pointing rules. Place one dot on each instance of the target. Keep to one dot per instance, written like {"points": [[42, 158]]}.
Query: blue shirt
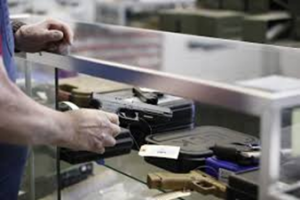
{"points": [[12, 157], [7, 40]]}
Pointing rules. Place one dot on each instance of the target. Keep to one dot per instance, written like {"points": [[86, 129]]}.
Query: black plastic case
{"points": [[183, 115], [123, 146], [243, 186], [195, 146]]}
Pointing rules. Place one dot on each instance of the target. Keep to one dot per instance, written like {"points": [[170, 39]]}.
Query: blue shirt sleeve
{"points": [[12, 157], [7, 40]]}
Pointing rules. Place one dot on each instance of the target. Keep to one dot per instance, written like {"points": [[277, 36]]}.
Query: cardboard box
{"points": [[222, 24], [237, 5], [261, 28], [297, 28], [259, 6], [211, 4], [294, 7], [170, 21], [203, 22]]}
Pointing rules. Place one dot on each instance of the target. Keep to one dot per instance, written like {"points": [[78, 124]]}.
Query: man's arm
{"points": [[23, 121]]}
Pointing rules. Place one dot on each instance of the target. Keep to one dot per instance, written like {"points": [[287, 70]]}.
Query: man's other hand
{"points": [[50, 35], [90, 130]]}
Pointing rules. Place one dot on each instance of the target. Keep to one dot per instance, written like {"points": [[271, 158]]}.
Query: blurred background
{"points": [[263, 21]]}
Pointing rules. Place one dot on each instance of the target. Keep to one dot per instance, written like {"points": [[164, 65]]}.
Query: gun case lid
{"points": [[195, 146], [123, 146], [197, 142]]}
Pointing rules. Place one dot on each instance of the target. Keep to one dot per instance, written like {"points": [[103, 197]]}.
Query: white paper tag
{"points": [[160, 151]]}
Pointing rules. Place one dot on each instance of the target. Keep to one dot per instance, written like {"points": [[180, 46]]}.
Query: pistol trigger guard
{"points": [[202, 188], [125, 117]]}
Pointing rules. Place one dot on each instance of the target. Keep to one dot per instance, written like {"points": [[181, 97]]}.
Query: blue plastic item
{"points": [[221, 169]]}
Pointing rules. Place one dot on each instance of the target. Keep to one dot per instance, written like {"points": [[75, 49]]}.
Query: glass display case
{"points": [[259, 81]]}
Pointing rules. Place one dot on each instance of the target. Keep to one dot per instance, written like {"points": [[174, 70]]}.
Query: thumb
{"points": [[52, 36]]}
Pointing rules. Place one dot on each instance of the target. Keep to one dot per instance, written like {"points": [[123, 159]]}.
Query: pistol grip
{"points": [[168, 181]]}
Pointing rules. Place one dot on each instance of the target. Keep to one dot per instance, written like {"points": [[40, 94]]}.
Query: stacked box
{"points": [[297, 27], [212, 4], [190, 23], [294, 7], [257, 28], [170, 21], [222, 24], [259, 6], [238, 5]]}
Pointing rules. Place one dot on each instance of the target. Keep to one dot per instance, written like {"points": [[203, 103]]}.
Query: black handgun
{"points": [[131, 111]]}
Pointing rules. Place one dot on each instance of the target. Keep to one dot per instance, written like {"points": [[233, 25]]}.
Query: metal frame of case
{"points": [[267, 106]]}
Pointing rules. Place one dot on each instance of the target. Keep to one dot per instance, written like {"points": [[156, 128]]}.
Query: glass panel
{"points": [[235, 63], [290, 154], [193, 126], [40, 178]]}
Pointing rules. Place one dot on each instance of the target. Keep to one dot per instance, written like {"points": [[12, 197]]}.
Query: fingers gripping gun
{"points": [[129, 112], [195, 181]]}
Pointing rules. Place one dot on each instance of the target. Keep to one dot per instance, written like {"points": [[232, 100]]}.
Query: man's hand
{"points": [[25, 122], [90, 130], [50, 35]]}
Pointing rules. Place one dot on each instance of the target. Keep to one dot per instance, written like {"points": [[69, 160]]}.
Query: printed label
{"points": [[160, 151]]}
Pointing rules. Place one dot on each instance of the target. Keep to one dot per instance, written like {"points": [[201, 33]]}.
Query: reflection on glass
{"points": [[196, 57], [39, 180]]}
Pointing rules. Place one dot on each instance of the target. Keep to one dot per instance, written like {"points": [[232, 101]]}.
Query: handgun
{"points": [[131, 110], [195, 181]]}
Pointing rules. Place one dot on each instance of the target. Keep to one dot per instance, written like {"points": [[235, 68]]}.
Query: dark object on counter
{"points": [[195, 146], [123, 146], [241, 154], [243, 186]]}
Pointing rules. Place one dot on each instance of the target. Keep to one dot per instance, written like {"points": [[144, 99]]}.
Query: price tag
{"points": [[160, 151]]}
